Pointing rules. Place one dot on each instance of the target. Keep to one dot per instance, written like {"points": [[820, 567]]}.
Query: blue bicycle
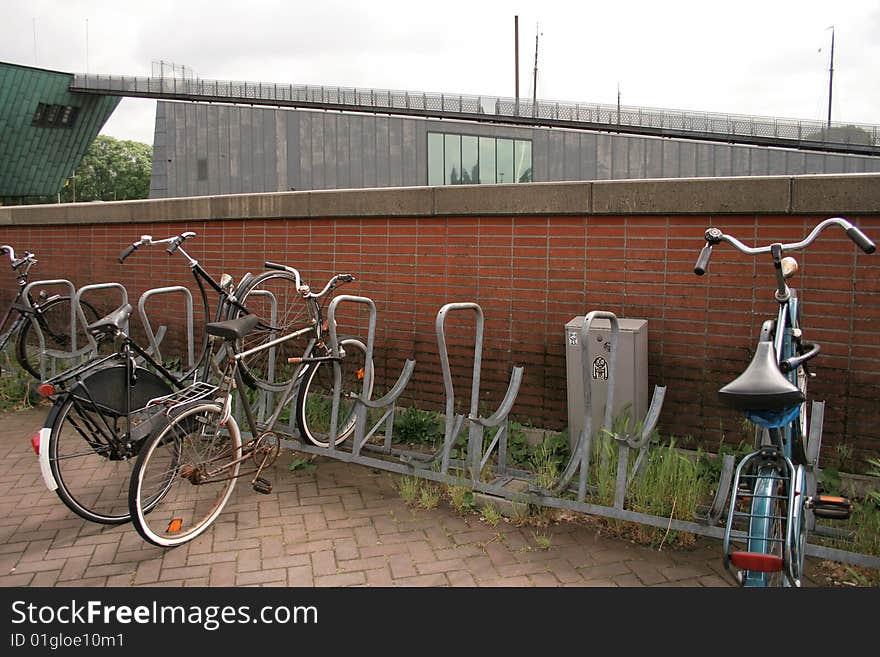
{"points": [[773, 502]]}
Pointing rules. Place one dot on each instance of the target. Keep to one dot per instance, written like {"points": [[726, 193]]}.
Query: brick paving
{"points": [[337, 525]]}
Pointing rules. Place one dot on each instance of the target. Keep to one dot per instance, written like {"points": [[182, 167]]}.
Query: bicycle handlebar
{"points": [[147, 240], [715, 236], [5, 249], [302, 287]]}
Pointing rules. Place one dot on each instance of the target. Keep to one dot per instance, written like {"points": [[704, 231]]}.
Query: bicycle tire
{"points": [[315, 396], [274, 298], [54, 324], [168, 504], [89, 450]]}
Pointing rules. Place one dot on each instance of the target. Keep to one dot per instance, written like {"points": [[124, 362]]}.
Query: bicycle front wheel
{"points": [[273, 297], [53, 322], [315, 399], [185, 475]]}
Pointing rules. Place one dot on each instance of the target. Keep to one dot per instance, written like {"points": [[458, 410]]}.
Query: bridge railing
{"points": [[649, 118]]}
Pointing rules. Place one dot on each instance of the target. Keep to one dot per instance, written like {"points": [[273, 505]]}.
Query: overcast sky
{"points": [[767, 57]]}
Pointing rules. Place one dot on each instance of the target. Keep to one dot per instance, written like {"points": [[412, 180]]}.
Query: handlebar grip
{"points": [[274, 265], [346, 278], [127, 252], [174, 244], [861, 240], [4, 249], [703, 259]]}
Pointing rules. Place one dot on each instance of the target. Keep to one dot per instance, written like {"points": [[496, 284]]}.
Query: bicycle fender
{"points": [[43, 454], [45, 470]]}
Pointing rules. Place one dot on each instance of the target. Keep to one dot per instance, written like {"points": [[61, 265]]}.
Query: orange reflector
{"points": [[757, 561], [361, 374], [832, 499], [175, 525], [46, 389], [35, 443]]}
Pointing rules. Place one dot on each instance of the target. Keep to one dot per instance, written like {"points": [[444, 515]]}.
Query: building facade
{"points": [[209, 149]]}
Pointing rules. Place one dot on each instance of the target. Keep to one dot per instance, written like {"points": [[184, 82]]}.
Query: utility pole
{"points": [[830, 77], [535, 77], [618, 103], [516, 61]]}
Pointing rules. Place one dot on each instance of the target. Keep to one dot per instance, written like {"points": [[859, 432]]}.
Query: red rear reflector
{"points": [[764, 563], [46, 389], [175, 525], [35, 443]]}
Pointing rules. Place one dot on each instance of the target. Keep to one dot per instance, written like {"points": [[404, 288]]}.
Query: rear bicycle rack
{"points": [[195, 392], [750, 547]]}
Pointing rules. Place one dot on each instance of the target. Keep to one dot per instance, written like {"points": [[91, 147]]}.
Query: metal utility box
{"points": [[630, 380]]}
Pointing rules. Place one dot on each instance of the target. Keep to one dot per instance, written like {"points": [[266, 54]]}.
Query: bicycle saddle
{"points": [[112, 323], [233, 329], [761, 387]]}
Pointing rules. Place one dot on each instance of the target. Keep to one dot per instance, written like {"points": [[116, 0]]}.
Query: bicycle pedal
{"points": [[261, 485], [831, 507]]}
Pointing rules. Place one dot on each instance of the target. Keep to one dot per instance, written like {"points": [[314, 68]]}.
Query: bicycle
{"points": [[98, 420], [186, 471], [43, 326], [773, 489]]}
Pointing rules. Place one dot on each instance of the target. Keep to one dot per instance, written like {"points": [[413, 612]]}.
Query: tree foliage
{"points": [[846, 134], [111, 170]]}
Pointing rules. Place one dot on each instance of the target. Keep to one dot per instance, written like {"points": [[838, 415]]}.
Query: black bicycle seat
{"points": [[233, 329], [113, 322], [762, 387]]}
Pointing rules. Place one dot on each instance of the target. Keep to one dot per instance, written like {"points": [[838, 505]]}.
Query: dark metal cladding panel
{"points": [[395, 152], [356, 150]]}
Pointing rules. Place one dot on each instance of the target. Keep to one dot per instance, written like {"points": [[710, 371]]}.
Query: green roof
{"points": [[44, 129]]}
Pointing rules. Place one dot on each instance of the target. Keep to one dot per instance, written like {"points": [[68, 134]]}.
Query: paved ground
{"points": [[335, 525]]}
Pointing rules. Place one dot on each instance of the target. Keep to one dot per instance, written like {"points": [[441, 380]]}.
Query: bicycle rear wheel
{"points": [[185, 475], [767, 525], [315, 399], [91, 447], [274, 298], [53, 321]]}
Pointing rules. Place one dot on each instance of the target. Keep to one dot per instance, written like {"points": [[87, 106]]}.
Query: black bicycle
{"points": [[44, 326], [99, 418]]}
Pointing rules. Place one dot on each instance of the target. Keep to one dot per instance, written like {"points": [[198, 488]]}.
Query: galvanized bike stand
{"points": [[580, 458], [154, 338], [51, 355], [363, 402], [557, 495]]}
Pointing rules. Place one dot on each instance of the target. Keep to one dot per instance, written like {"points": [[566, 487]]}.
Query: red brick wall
{"points": [[532, 274]]}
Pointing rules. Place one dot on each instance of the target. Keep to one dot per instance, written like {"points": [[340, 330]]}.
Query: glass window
{"points": [[522, 152], [466, 159], [435, 158], [504, 155], [470, 168], [487, 161], [453, 159]]}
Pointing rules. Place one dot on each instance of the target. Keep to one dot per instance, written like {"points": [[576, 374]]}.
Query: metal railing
{"points": [[850, 137]]}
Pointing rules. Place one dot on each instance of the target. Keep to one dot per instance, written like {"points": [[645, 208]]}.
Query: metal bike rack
{"points": [[154, 338], [476, 458], [76, 315], [579, 461], [468, 472], [363, 402]]}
